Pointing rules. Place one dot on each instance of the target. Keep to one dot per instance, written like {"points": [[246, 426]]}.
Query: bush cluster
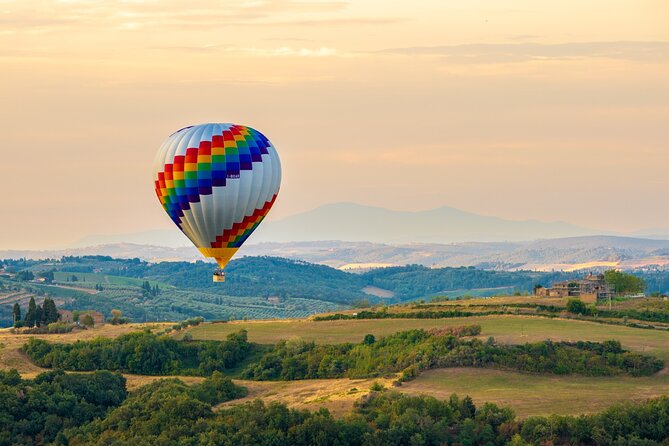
{"points": [[142, 353], [41, 411]]}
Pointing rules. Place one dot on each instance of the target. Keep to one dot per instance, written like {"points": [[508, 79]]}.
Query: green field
{"points": [[99, 278], [507, 328], [538, 394]]}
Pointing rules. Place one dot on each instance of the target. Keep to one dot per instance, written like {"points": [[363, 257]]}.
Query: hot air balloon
{"points": [[217, 182]]}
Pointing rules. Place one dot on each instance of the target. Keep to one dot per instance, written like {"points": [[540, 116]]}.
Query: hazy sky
{"points": [[549, 110]]}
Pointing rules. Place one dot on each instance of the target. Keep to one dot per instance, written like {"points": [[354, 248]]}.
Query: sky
{"points": [[553, 110]]}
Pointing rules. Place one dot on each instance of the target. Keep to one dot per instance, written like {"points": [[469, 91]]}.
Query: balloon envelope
{"points": [[217, 182]]}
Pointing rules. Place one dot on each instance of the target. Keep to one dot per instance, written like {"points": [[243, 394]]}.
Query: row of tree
{"points": [[411, 351], [142, 353], [408, 352], [36, 315], [27, 275], [148, 290]]}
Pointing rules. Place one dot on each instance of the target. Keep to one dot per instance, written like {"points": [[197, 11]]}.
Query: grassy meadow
{"points": [[529, 394]]}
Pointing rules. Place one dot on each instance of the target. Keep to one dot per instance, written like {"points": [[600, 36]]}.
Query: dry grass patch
{"points": [[337, 395], [133, 382]]}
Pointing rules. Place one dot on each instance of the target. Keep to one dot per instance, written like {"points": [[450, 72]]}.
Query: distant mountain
{"points": [[654, 233], [355, 237], [355, 222], [358, 223], [172, 238], [572, 253]]}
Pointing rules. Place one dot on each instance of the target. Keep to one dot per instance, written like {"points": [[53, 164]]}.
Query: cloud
{"points": [[483, 53], [65, 15], [322, 51]]}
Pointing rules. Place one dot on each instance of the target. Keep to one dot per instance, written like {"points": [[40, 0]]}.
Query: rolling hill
{"points": [[255, 288], [571, 253]]}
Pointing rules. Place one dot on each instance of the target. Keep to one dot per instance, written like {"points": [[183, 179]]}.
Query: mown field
{"points": [[505, 328]]}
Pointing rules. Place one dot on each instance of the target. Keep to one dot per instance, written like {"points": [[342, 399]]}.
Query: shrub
{"points": [[577, 306], [60, 327]]}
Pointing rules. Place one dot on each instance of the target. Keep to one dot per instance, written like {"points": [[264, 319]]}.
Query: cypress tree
{"points": [[17, 313], [31, 314], [50, 311], [39, 316]]}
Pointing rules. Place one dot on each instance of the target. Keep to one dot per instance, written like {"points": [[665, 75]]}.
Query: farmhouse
{"points": [[68, 316], [98, 318], [591, 288], [65, 316]]}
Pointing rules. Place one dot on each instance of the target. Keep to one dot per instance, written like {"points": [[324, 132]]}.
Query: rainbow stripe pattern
{"points": [[217, 182]]}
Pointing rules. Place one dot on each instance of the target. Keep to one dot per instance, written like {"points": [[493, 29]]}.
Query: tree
{"points": [[87, 321], [39, 316], [577, 306], [25, 275], [116, 317], [48, 276], [50, 312], [31, 315], [16, 311], [369, 339], [623, 282]]}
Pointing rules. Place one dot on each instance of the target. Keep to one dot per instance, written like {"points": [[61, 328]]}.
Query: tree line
{"points": [[142, 353], [412, 351], [574, 306]]}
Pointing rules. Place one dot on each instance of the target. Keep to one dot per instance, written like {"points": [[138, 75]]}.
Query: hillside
{"points": [[256, 287], [560, 254]]}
